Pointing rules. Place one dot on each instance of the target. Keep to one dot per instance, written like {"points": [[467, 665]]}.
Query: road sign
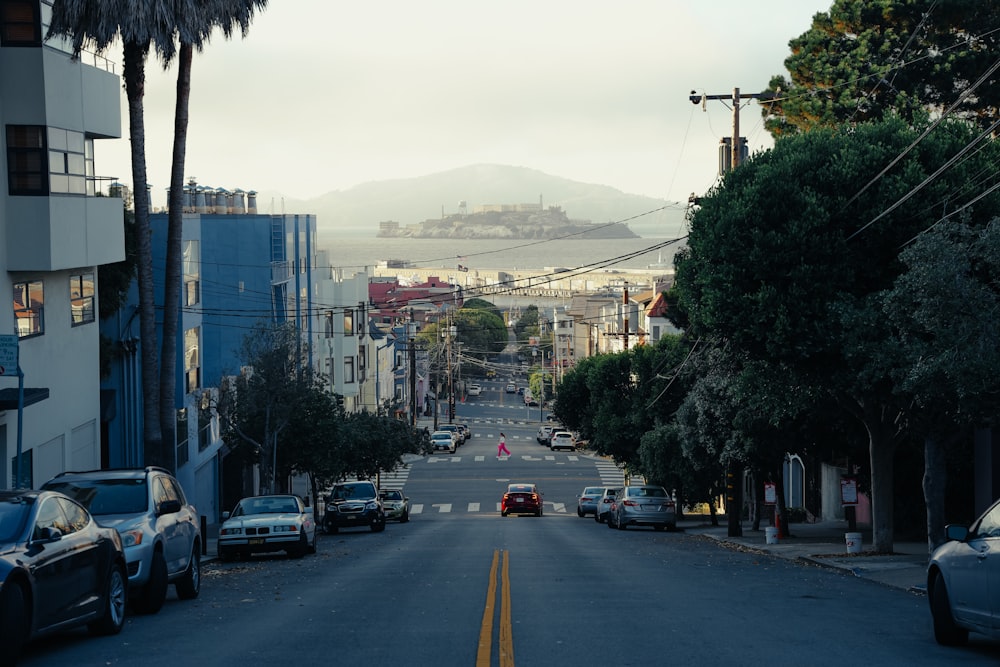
{"points": [[8, 355]]}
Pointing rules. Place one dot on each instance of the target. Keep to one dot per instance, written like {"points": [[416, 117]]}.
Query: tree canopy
{"points": [[865, 59]]}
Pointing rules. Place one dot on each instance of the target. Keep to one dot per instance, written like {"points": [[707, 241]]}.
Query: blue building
{"points": [[239, 268]]}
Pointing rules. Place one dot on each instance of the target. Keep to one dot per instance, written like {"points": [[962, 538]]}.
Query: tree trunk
{"points": [[881, 449], [935, 478], [174, 252], [134, 70], [780, 509]]}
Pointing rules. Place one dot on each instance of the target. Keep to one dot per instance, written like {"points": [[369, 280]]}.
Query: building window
{"points": [[348, 322], [328, 324], [349, 370], [81, 298], [71, 162], [26, 164], [192, 363], [181, 437], [192, 274], [29, 299], [20, 23], [204, 429]]}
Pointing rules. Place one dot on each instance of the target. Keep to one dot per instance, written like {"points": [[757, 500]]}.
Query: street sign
{"points": [[8, 355]]}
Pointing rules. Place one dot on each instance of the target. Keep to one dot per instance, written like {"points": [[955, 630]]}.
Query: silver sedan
{"points": [[644, 505]]}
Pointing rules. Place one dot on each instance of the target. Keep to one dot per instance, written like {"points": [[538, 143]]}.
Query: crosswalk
{"points": [[482, 508], [610, 474]]}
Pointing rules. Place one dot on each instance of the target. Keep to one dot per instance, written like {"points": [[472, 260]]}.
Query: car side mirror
{"points": [[225, 516], [172, 506], [956, 532]]}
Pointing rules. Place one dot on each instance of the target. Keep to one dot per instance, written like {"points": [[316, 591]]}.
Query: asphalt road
{"points": [[459, 585]]}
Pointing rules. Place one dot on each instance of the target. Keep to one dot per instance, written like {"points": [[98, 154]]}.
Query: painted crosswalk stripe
{"points": [[473, 507]]}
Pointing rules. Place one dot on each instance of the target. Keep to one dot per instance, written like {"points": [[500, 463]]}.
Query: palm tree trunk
{"points": [[134, 70], [175, 247]]}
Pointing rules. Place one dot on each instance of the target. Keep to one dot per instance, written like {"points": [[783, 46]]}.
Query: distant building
{"points": [[238, 268], [57, 226]]}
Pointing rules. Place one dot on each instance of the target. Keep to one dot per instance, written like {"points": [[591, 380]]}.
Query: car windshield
{"points": [[392, 495], [106, 496], [267, 505], [13, 514], [353, 492]]}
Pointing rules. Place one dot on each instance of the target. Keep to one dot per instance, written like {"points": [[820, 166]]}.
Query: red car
{"points": [[521, 499]]}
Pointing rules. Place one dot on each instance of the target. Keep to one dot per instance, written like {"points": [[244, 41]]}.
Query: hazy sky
{"points": [[324, 95]]}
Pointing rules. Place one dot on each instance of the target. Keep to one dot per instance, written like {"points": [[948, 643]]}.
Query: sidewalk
{"points": [[824, 544]]}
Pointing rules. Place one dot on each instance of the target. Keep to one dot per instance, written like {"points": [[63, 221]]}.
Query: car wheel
{"points": [[503, 514], [189, 585], [597, 517], [659, 527], [378, 525], [226, 555], [13, 623], [619, 524], [300, 549], [579, 512], [610, 523], [155, 592], [312, 545], [114, 605], [946, 632], [405, 517]]}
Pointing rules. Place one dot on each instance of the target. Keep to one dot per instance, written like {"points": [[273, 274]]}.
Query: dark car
{"points": [[354, 504], [521, 499], [58, 569], [161, 531]]}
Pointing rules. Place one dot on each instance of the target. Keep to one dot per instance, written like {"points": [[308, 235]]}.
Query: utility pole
{"points": [[625, 314], [736, 99], [411, 342]]}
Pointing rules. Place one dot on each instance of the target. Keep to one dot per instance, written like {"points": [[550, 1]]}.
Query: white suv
{"points": [[159, 529], [475, 390]]}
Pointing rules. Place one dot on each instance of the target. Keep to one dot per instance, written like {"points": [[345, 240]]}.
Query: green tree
{"points": [[944, 306], [787, 257], [257, 405], [866, 59]]}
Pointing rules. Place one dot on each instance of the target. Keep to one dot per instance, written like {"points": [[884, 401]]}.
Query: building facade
{"points": [[58, 226]]}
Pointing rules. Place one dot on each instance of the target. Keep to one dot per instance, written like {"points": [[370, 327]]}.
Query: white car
{"points": [[963, 581], [264, 524], [474, 390], [562, 440], [443, 441]]}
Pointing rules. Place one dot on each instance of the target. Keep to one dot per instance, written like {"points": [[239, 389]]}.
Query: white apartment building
{"points": [[58, 225]]}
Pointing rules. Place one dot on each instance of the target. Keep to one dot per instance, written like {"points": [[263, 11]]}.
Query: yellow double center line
{"points": [[485, 653]]}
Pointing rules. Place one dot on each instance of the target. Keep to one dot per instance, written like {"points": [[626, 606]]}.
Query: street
{"points": [[459, 585]]}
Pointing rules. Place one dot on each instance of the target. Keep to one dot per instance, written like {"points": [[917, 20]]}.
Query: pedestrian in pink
{"points": [[502, 446]]}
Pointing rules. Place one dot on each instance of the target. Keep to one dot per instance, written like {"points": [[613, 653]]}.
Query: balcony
{"points": [[63, 231]]}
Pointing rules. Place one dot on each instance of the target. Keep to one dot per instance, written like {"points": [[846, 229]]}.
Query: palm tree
{"points": [[141, 25], [195, 25]]}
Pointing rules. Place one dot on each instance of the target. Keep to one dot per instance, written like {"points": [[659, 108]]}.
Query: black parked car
{"points": [[58, 569], [353, 504]]}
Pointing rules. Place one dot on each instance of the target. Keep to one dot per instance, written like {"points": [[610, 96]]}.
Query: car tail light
{"points": [[630, 503], [585, 499], [534, 496]]}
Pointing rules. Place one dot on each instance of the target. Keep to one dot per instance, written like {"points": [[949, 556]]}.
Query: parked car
{"points": [[265, 524], [456, 430], [160, 530], [644, 505], [466, 431], [586, 502], [562, 440], [395, 504], [511, 388], [963, 580], [544, 435], [521, 499], [604, 504], [58, 569], [443, 441], [352, 504], [474, 390]]}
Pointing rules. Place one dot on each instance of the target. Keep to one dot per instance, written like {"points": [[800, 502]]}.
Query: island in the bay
{"points": [[506, 221]]}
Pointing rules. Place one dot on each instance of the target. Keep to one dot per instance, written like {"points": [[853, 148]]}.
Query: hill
{"points": [[358, 211]]}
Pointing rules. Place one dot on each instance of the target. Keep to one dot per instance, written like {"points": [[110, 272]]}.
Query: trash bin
{"points": [[853, 541], [771, 535]]}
